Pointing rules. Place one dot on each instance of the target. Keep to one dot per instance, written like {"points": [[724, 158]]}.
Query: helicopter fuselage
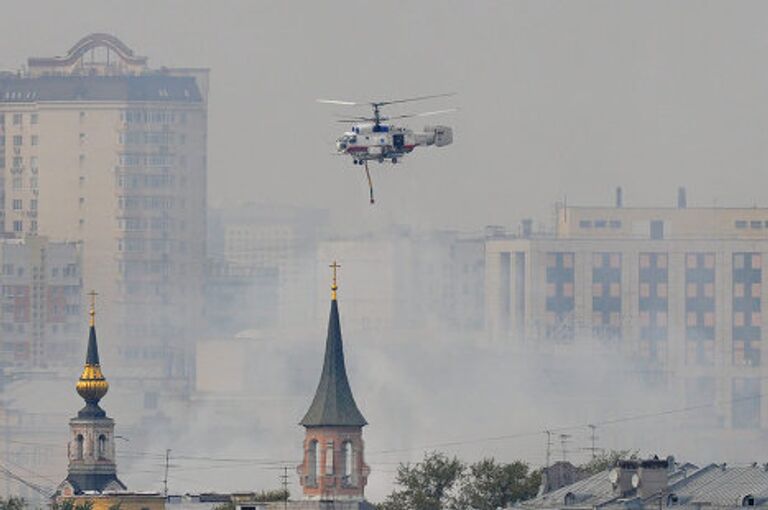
{"points": [[386, 143]]}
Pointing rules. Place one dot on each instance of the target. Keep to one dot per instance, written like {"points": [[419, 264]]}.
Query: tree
{"points": [[489, 485], [427, 485], [607, 460], [69, 504], [13, 503]]}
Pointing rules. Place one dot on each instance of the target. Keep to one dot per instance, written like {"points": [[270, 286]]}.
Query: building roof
{"points": [[588, 492], [149, 87], [92, 385], [333, 404], [101, 482], [722, 485], [713, 485]]}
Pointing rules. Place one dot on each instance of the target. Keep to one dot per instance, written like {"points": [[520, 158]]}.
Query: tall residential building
{"points": [[40, 292], [97, 147], [679, 287]]}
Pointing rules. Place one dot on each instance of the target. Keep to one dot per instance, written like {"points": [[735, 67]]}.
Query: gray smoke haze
{"points": [[556, 98]]}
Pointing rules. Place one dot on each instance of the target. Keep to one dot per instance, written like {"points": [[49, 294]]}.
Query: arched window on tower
{"points": [[102, 448], [349, 464], [313, 460], [79, 447], [329, 458]]}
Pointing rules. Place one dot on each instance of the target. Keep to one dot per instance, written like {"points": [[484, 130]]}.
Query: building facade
{"points": [[679, 288], [98, 148], [40, 292]]}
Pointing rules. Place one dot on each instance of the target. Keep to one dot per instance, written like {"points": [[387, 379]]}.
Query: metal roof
{"points": [[149, 87], [333, 404]]}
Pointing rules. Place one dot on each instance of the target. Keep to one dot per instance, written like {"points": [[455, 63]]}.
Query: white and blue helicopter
{"points": [[375, 139]]}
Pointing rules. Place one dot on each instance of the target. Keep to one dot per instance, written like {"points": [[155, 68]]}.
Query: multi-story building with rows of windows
{"points": [[40, 293], [98, 148], [680, 288]]}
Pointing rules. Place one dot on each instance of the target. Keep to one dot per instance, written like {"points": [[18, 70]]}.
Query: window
{"points": [[17, 119], [313, 459], [756, 224], [615, 223], [741, 224], [17, 204], [35, 140], [600, 223], [329, 458], [102, 447], [2, 161], [349, 468], [657, 229], [585, 224], [18, 162], [16, 183], [17, 140], [2, 140], [18, 226], [79, 447], [33, 162], [33, 118]]}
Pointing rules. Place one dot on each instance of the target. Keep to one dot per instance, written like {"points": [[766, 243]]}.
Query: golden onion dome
{"points": [[92, 385]]}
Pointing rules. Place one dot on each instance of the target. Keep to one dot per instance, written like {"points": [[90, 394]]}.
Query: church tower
{"points": [[333, 468], [91, 447]]}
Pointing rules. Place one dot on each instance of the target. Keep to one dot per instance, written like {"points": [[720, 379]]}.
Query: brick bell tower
{"points": [[333, 468]]}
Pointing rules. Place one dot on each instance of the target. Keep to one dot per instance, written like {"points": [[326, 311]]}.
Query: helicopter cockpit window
{"points": [[352, 139]]}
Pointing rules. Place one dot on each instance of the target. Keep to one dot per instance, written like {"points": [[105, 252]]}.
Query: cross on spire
{"points": [[334, 285], [92, 311]]}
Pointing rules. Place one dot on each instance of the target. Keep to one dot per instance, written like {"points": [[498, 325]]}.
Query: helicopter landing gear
{"points": [[394, 161]]}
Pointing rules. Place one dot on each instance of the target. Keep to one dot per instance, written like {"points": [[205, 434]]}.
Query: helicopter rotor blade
{"points": [[339, 102], [355, 120], [425, 114], [408, 100]]}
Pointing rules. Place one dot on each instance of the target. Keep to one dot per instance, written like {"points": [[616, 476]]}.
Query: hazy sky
{"points": [[556, 97]]}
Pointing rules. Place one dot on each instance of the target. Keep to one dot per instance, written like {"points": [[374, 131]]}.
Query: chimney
{"points": [[682, 202], [619, 197], [527, 227], [652, 477], [621, 477]]}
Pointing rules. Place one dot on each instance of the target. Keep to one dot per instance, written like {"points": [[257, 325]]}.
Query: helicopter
{"points": [[372, 139]]}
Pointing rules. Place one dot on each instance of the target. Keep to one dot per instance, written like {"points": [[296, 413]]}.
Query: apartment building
{"points": [[680, 288], [98, 148], [40, 308]]}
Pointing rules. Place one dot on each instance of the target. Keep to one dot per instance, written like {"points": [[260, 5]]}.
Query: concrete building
{"points": [[401, 279], [97, 147], [40, 292], [680, 288], [274, 248]]}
